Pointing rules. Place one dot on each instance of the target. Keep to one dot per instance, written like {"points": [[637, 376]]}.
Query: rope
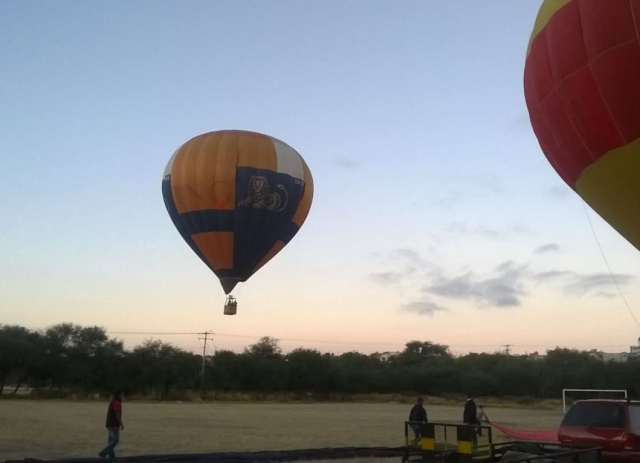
{"points": [[613, 277]]}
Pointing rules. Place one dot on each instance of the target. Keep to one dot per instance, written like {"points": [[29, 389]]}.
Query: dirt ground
{"points": [[63, 429]]}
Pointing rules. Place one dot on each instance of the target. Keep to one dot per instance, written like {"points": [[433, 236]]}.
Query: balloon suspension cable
{"points": [[613, 277]]}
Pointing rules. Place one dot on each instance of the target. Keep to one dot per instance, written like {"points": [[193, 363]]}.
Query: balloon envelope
{"points": [[582, 87], [237, 198]]}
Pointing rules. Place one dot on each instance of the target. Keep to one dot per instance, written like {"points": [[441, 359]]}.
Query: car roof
{"points": [[610, 401]]}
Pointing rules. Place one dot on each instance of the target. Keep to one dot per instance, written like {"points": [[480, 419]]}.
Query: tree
{"points": [[157, 369], [418, 351], [309, 371], [265, 366], [358, 373], [77, 357], [17, 353], [266, 347], [227, 371]]}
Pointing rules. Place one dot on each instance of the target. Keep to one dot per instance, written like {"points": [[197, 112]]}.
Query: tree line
{"points": [[68, 357]]}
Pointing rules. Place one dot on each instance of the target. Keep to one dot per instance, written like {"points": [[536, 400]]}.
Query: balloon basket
{"points": [[231, 306]]}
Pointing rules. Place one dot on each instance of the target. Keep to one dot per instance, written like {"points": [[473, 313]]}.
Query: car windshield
{"points": [[597, 415]]}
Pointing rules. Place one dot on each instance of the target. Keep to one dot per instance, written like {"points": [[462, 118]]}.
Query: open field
{"points": [[59, 429]]}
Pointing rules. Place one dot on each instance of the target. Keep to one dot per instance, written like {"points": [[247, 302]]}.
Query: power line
{"points": [[151, 333], [249, 336], [401, 344]]}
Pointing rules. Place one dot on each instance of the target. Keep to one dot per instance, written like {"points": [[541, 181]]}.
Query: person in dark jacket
{"points": [[114, 425], [418, 417], [470, 416]]}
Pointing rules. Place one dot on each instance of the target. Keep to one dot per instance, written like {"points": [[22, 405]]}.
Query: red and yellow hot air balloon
{"points": [[237, 198], [582, 87]]}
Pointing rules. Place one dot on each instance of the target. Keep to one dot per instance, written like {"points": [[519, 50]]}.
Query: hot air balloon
{"points": [[582, 88], [237, 198]]}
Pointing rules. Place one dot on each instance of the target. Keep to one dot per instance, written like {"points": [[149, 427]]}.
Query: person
{"points": [[470, 416], [417, 418], [481, 416], [114, 425]]}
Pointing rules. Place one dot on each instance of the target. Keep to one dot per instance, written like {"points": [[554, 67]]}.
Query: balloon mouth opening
{"points": [[228, 284]]}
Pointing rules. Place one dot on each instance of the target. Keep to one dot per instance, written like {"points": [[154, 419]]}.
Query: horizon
{"points": [[288, 345]]}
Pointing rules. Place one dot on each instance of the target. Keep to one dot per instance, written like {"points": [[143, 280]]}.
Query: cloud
{"points": [[464, 229], [451, 198], [386, 278], [552, 275], [559, 191], [580, 284], [520, 122], [411, 257], [488, 181], [408, 266], [479, 186], [487, 232], [504, 288], [550, 247], [423, 307], [595, 283], [347, 162], [405, 262]]}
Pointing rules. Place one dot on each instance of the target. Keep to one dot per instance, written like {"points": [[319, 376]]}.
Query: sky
{"points": [[436, 217]]}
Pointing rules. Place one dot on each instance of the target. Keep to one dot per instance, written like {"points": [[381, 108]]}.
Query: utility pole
{"points": [[507, 348], [206, 336]]}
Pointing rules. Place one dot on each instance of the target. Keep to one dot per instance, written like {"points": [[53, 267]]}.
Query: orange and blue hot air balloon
{"points": [[237, 198], [582, 87]]}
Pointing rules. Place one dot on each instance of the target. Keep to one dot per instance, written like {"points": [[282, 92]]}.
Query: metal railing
{"points": [[448, 442]]}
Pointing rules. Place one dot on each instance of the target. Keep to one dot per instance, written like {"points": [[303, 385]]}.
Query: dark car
{"points": [[613, 425]]}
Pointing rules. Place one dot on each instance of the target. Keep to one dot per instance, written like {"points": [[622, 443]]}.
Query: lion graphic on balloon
{"points": [[260, 196]]}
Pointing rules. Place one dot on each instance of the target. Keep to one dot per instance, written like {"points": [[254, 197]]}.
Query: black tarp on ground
{"points": [[233, 457]]}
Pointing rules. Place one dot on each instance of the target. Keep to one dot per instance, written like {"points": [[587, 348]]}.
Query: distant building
{"points": [[634, 351], [386, 356], [621, 357], [535, 356]]}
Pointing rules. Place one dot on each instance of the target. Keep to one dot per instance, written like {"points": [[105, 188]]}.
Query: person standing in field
{"points": [[481, 416], [114, 425], [470, 417], [418, 418]]}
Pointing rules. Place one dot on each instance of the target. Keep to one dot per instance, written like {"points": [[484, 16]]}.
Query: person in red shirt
{"points": [[114, 425]]}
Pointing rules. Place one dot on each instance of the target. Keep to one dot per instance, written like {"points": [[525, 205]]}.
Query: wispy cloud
{"points": [[481, 230], [479, 186], [505, 286], [596, 283], [488, 232], [488, 181], [412, 259], [423, 307], [580, 284], [386, 278], [552, 275], [520, 122], [451, 198], [550, 247], [348, 163], [502, 289], [404, 262], [559, 192]]}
